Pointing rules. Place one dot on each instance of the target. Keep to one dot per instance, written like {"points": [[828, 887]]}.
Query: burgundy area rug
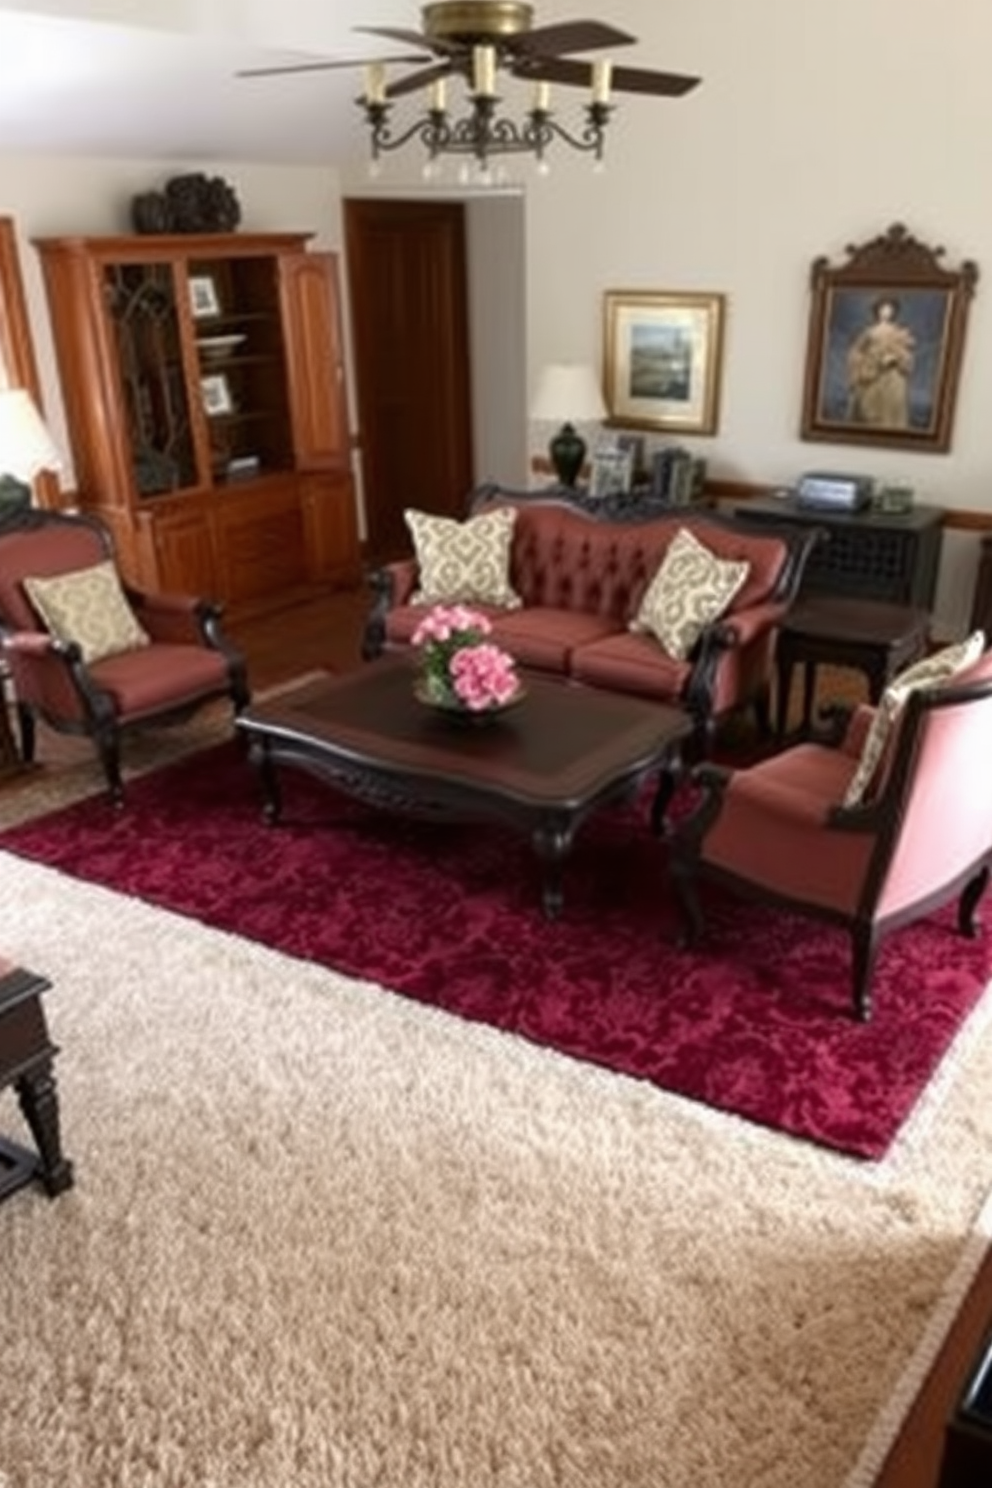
{"points": [[756, 1020]]}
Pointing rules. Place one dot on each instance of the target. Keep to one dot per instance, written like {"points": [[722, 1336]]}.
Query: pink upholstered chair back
{"points": [[40, 552], [946, 819], [55, 545]]}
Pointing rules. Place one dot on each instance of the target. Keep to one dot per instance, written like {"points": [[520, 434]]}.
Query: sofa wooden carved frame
{"points": [[630, 509]]}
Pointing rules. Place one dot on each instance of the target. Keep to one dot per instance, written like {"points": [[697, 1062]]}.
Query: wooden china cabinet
{"points": [[203, 379]]}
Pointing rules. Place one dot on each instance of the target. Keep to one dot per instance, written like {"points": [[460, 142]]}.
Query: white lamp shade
{"points": [[26, 447], [568, 392]]}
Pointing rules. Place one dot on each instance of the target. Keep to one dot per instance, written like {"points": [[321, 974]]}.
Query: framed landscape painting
{"points": [[886, 338], [662, 355]]}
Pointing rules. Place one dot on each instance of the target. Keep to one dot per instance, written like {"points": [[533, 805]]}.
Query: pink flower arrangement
{"points": [[459, 667]]}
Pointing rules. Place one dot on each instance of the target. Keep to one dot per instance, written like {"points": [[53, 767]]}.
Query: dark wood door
{"points": [[409, 312]]}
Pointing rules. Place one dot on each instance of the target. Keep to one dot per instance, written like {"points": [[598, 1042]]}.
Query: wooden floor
{"points": [[326, 633], [323, 632]]}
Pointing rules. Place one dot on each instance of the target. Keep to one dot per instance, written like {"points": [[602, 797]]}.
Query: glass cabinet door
{"points": [[140, 300]]}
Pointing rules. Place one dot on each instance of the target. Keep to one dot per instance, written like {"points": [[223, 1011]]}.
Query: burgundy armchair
{"points": [[184, 662], [777, 831]]}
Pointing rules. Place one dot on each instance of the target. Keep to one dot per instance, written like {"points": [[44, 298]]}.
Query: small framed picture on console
{"points": [[612, 470]]}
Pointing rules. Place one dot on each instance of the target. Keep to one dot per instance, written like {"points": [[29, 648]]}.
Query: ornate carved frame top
{"points": [[886, 340]]}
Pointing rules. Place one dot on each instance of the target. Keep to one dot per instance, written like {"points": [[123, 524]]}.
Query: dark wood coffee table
{"points": [[543, 766]]}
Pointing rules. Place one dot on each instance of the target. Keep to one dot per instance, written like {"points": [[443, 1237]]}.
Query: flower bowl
{"points": [[460, 670], [453, 707]]}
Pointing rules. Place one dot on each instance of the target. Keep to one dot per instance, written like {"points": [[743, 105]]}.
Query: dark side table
{"points": [[876, 639], [26, 1059]]}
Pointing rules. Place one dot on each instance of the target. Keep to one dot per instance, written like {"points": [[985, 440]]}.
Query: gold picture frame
{"points": [[885, 344], [663, 354]]}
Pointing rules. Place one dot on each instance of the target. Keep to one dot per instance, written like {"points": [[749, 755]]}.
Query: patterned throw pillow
{"points": [[939, 667], [89, 607], [691, 589], [464, 562]]}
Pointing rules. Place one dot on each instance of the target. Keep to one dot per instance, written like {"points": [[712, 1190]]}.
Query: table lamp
{"points": [[568, 391], [26, 447]]}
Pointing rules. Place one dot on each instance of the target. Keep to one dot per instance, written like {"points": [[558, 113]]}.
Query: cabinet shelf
{"points": [[153, 461]]}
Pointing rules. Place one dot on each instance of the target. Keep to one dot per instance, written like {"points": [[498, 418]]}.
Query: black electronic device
{"points": [[829, 491]]}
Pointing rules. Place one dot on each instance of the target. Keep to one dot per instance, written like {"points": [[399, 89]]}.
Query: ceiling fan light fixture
{"points": [[476, 40], [456, 20]]}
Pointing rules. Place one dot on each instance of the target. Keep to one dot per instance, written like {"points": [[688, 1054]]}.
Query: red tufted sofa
{"points": [[581, 573]]}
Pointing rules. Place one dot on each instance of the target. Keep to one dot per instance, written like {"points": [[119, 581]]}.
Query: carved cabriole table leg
{"points": [[260, 755], [551, 842], [26, 1062]]}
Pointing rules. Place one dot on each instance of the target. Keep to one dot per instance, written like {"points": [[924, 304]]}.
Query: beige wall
{"points": [[808, 133], [802, 138]]}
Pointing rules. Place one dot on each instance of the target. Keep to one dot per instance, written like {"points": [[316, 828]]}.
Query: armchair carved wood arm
{"points": [[779, 832], [183, 659]]}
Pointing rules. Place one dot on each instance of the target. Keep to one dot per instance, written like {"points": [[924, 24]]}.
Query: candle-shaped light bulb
{"points": [[542, 97], [484, 71], [602, 74], [375, 83], [438, 96]]}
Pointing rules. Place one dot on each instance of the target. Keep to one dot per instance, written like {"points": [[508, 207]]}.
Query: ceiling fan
{"points": [[453, 29]]}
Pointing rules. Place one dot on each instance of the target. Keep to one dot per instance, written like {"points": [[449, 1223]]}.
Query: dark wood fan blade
{"points": [[329, 66], [421, 79], [568, 36], [624, 79], [411, 38]]}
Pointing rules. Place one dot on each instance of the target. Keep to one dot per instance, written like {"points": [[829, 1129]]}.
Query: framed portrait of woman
{"points": [[886, 341]]}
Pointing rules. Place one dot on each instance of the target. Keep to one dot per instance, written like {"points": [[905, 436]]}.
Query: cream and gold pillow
{"points": [[939, 667], [464, 562], [691, 589], [88, 606]]}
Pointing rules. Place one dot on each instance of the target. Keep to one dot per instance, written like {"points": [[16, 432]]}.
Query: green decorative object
{"points": [[15, 497], [568, 452], [568, 391]]}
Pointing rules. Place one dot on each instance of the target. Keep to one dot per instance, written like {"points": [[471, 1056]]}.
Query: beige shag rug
{"points": [[323, 1237]]}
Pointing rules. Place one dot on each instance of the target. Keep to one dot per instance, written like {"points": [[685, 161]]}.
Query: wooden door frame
{"points": [[17, 346], [461, 446]]}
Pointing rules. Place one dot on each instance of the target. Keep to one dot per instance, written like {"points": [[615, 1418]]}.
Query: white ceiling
{"points": [[155, 79]]}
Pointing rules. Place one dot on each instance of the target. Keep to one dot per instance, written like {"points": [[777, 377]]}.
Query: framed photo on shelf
{"points": [[216, 391], [203, 297], [663, 353], [886, 337]]}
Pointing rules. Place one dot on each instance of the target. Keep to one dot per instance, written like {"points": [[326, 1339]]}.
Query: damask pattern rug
{"points": [[756, 1020]]}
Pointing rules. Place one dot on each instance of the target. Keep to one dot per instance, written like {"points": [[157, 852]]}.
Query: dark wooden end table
{"points": [[874, 638], [26, 1059], [542, 766]]}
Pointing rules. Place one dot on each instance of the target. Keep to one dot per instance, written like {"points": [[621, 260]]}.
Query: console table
{"points": [[640, 504], [868, 554]]}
